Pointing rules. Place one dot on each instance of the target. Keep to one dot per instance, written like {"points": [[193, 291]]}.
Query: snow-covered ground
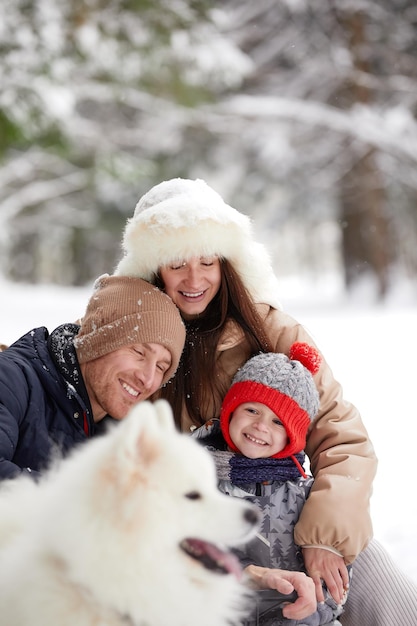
{"points": [[372, 350]]}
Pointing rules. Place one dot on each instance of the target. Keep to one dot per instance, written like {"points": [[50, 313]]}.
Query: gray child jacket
{"points": [[276, 487]]}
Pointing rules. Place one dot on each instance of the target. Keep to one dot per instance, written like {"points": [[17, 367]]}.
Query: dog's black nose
{"points": [[252, 516]]}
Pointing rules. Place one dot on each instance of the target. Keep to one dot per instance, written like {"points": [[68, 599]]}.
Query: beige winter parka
{"points": [[342, 458]]}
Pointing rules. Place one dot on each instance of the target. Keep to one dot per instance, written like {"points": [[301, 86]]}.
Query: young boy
{"points": [[258, 449]]}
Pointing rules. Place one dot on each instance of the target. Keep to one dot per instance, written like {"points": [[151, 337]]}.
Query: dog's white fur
{"points": [[96, 541]]}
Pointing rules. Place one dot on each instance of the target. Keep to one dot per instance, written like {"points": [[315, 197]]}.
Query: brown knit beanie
{"points": [[126, 310]]}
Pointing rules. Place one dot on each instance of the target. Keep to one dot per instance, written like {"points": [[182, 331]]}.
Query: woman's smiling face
{"points": [[192, 284]]}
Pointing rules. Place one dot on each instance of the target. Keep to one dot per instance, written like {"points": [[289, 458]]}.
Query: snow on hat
{"points": [[125, 310], [285, 385], [181, 218]]}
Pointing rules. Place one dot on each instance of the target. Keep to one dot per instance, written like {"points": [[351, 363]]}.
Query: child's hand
{"points": [[286, 582]]}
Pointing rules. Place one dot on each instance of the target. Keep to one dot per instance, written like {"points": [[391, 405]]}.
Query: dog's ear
{"points": [[159, 420], [140, 433], [165, 415]]}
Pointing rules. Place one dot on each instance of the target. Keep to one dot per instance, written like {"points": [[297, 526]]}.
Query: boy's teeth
{"points": [[256, 440]]}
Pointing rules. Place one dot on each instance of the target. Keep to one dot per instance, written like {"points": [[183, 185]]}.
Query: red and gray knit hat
{"points": [[285, 385], [123, 311]]}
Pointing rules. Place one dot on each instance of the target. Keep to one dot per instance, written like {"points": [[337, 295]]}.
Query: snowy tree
{"points": [[301, 114], [94, 98], [329, 120]]}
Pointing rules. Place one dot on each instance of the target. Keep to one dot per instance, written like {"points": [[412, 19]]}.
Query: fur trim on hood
{"points": [[182, 218]]}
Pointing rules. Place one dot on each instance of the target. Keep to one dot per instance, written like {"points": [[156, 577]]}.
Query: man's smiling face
{"points": [[124, 377]]}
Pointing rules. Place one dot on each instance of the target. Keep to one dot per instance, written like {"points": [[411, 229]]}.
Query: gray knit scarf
{"points": [[241, 470]]}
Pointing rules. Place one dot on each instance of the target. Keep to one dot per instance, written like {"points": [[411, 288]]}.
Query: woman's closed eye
{"points": [[207, 261], [177, 265]]}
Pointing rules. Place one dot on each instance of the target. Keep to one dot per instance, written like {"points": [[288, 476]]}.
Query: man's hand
{"points": [[286, 582], [324, 565]]}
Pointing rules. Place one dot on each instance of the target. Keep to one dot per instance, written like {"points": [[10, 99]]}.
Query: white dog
{"points": [[123, 533]]}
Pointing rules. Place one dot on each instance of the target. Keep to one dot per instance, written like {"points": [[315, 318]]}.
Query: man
{"points": [[58, 389]]}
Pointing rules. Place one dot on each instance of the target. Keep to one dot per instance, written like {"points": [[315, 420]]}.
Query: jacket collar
{"points": [[61, 347]]}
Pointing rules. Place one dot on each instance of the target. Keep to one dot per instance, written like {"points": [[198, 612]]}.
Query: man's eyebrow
{"points": [[147, 346]]}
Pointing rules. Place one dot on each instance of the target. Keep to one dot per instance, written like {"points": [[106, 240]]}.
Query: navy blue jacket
{"points": [[44, 405]]}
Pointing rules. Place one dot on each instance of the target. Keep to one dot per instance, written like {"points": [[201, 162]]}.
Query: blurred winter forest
{"points": [[301, 114]]}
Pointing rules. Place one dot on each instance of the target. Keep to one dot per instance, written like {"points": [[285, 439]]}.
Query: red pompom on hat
{"points": [[285, 385], [307, 355]]}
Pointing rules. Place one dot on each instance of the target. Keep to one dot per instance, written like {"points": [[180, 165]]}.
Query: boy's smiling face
{"points": [[257, 431]]}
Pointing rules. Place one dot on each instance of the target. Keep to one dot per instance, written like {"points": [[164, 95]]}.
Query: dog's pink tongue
{"points": [[227, 560], [213, 557]]}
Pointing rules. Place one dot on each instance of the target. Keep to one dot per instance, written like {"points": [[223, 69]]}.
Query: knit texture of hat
{"points": [[181, 218], [123, 311], [284, 385]]}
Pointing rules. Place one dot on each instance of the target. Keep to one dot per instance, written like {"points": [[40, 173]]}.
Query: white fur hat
{"points": [[182, 218]]}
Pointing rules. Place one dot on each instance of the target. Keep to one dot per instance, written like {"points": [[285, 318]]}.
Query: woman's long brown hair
{"points": [[196, 384]]}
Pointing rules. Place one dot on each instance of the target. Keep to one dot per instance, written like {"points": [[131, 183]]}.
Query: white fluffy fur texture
{"points": [[96, 541], [182, 218]]}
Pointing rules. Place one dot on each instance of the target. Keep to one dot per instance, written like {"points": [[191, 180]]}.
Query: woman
{"points": [[184, 238]]}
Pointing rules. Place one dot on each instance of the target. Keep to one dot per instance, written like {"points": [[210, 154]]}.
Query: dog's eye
{"points": [[193, 495]]}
